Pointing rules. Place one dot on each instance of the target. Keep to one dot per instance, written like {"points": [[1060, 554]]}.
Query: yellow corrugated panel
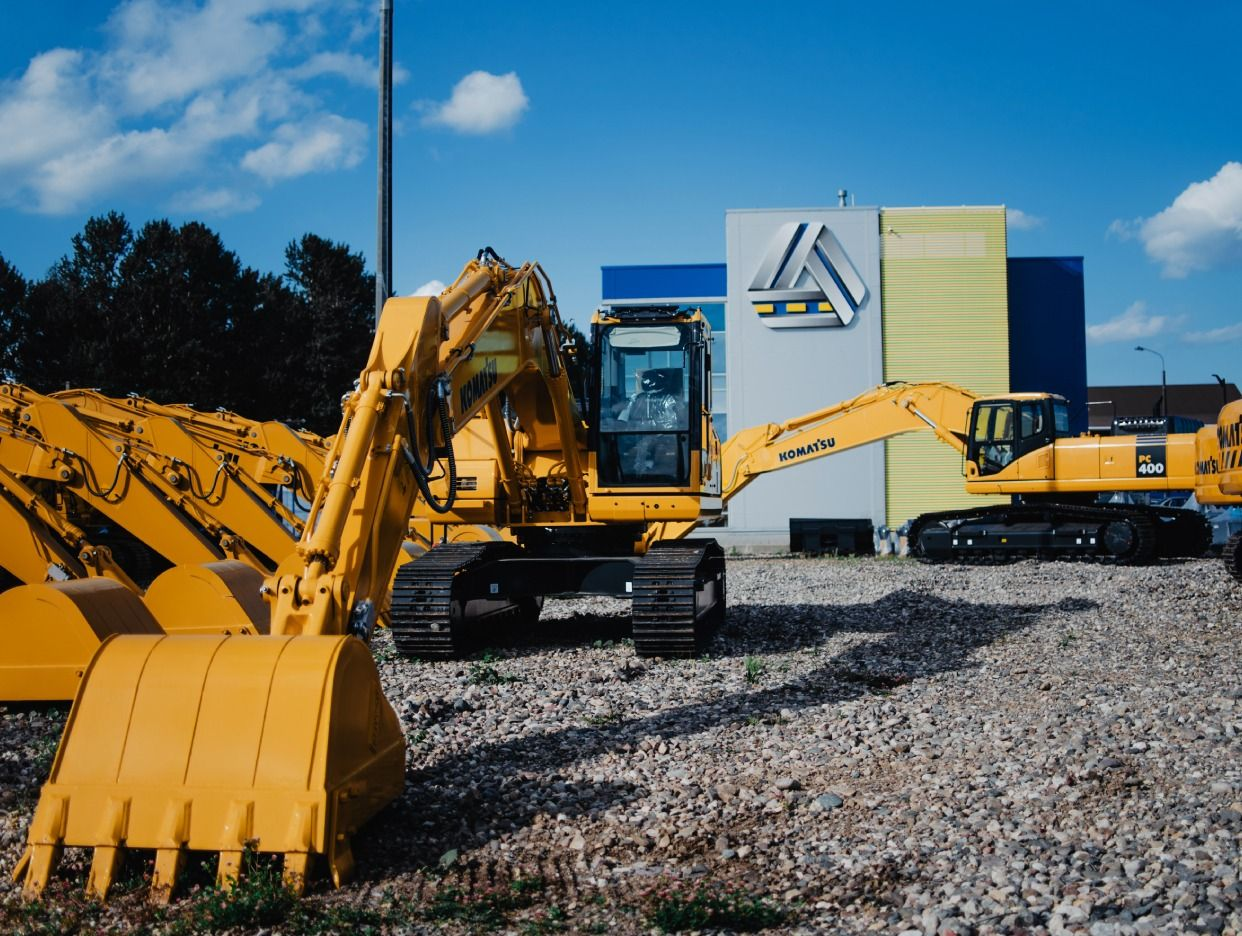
{"points": [[946, 317]]}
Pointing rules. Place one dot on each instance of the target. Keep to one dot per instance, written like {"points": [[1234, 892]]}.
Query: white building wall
{"points": [[778, 373]]}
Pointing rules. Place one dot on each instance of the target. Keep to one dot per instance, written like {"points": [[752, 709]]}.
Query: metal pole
{"points": [[1164, 385], [383, 248], [1224, 389]]}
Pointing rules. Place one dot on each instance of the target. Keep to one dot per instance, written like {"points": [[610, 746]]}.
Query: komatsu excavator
{"points": [[284, 742], [1229, 437], [1020, 445]]}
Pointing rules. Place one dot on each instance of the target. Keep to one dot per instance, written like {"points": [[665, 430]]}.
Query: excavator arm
{"points": [[41, 545], [877, 414], [269, 451]]}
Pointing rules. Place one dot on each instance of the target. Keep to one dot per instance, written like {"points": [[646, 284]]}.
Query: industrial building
{"points": [[814, 306]]}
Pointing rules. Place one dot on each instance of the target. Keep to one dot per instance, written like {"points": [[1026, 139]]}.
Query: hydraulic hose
{"points": [[422, 472]]}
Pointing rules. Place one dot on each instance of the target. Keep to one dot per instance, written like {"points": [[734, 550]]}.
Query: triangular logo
{"points": [[805, 263]]}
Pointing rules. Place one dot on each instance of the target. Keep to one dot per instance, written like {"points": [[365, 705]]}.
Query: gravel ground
{"points": [[870, 746]]}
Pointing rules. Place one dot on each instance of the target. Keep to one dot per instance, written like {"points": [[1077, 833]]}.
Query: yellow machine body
{"points": [[1229, 439], [1094, 464]]}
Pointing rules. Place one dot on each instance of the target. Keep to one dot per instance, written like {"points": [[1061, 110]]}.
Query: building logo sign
{"points": [[806, 278]]}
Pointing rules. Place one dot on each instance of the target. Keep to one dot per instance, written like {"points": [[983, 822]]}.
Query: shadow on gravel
{"points": [[466, 799]]}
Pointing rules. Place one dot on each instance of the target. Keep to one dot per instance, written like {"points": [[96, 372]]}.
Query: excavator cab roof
{"points": [[1022, 396], [647, 314]]}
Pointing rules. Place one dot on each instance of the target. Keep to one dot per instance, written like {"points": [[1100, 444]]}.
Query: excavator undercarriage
{"points": [[1129, 534], [462, 596]]}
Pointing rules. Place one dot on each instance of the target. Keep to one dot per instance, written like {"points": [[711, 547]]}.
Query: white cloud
{"points": [[1215, 335], [184, 90], [481, 103], [1019, 220], [430, 288], [1134, 323], [1201, 230], [356, 69], [219, 201], [45, 112], [316, 145]]}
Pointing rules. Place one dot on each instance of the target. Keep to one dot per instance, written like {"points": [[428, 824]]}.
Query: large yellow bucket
{"points": [[218, 743]]}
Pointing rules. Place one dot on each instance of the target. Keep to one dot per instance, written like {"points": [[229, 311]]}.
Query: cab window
{"points": [[1033, 428], [1060, 417], [644, 413], [992, 441]]}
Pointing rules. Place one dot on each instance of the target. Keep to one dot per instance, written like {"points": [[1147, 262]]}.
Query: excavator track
{"points": [[679, 597], [431, 616], [1128, 534], [1233, 556]]}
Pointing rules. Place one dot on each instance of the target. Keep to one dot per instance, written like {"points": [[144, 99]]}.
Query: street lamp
{"points": [[1224, 389], [1164, 385]]}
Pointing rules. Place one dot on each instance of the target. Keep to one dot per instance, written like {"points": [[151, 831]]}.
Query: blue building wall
{"points": [[1047, 331], [676, 281]]}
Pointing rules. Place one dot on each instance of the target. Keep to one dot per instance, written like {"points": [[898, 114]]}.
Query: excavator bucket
{"points": [[218, 743], [213, 598], [49, 632]]}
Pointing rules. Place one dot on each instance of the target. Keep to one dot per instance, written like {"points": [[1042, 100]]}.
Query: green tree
{"points": [[334, 330], [13, 289], [71, 325]]}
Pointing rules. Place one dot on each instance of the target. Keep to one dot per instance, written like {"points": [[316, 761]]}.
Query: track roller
{"points": [[435, 616], [679, 597], [1233, 556]]}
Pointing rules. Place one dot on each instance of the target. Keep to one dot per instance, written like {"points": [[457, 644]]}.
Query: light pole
{"points": [[1224, 389], [383, 247], [1164, 385]]}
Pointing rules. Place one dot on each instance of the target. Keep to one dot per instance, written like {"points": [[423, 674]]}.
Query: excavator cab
{"points": [[649, 367], [1005, 429]]}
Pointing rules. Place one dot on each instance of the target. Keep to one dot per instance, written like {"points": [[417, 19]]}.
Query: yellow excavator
{"points": [[1020, 445], [1229, 443], [284, 742]]}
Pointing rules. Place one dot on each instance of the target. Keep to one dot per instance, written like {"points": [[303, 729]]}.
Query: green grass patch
{"points": [[486, 910], [484, 672], [715, 907], [755, 668]]}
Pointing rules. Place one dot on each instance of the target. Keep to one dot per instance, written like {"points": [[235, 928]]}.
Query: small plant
{"points": [[604, 719], [755, 669], [1067, 638], [553, 920], [486, 911], [484, 672], [715, 907], [259, 898]]}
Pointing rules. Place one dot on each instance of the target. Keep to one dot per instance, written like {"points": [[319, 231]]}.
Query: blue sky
{"points": [[584, 134]]}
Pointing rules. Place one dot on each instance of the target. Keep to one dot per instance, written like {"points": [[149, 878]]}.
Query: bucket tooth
{"points": [[104, 865], [40, 862], [228, 872], [294, 874], [216, 743], [168, 864]]}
